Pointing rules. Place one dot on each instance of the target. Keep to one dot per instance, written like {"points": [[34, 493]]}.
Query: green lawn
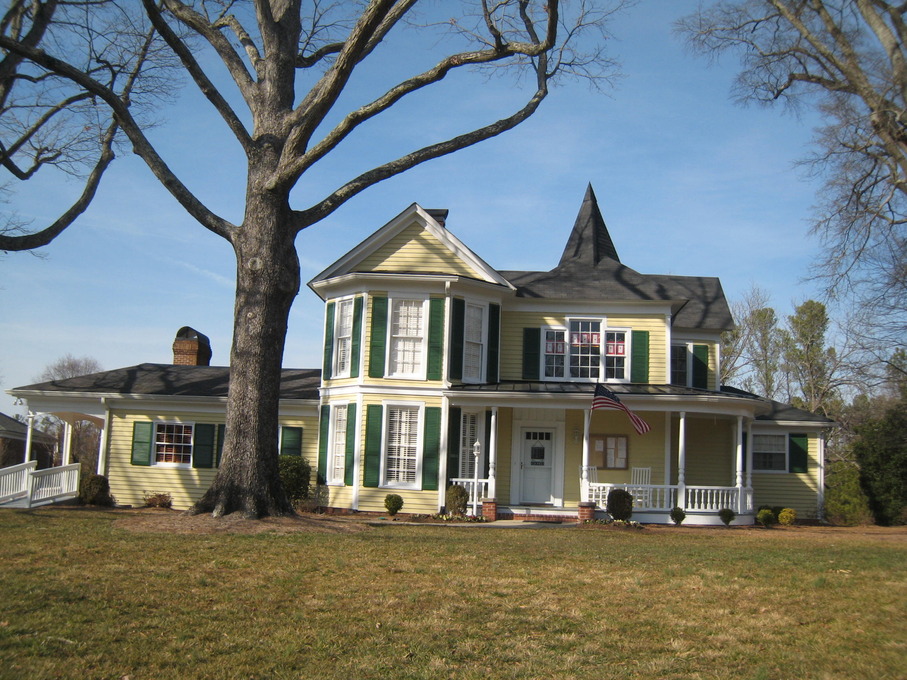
{"points": [[80, 597]]}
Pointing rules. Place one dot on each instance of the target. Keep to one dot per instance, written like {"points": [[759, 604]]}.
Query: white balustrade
{"points": [[54, 482], [14, 480], [712, 497]]}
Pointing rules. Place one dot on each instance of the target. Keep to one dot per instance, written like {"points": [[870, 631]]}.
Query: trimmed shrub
{"points": [[766, 517], [296, 475], [620, 504], [787, 517], [727, 516], [678, 515], [95, 490], [157, 499], [457, 500], [393, 503]]}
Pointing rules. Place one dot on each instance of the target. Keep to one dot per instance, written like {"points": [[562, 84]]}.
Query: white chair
{"points": [[641, 476]]}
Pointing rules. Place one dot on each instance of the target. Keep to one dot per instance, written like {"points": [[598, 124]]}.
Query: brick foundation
{"points": [[586, 511], [490, 509]]}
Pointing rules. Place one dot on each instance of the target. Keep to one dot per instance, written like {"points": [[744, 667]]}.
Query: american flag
{"points": [[605, 398]]}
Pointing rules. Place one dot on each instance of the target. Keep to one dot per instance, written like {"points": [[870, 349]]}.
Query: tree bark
{"points": [[267, 281]]}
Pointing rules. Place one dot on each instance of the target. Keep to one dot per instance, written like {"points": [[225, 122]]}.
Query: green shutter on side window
{"points": [[486, 462], [371, 475], [639, 357], [378, 340], [350, 451], [142, 443], [435, 339], [357, 337], [290, 441], [701, 366], [454, 416], [324, 428], [221, 433], [798, 453], [457, 329], [203, 446], [328, 364], [431, 448], [494, 343], [532, 349]]}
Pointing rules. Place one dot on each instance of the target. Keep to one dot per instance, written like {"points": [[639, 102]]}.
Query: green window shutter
{"points": [[357, 337], [328, 364], [378, 340], [486, 462], [494, 343], [324, 429], [798, 453], [639, 357], [701, 366], [290, 441], [431, 448], [435, 339], [371, 474], [221, 433], [350, 451], [457, 329], [532, 353], [142, 443], [203, 446], [454, 418]]}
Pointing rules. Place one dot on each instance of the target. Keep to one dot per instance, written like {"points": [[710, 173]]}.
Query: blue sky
{"points": [[688, 182]]}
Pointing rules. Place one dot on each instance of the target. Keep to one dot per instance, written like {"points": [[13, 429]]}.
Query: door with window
{"points": [[536, 465]]}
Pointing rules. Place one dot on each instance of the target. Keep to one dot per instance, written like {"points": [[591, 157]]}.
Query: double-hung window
{"points": [[337, 458], [770, 452], [343, 338], [616, 355], [469, 434], [401, 445], [406, 349], [473, 342], [555, 353], [173, 443], [585, 349], [680, 365]]}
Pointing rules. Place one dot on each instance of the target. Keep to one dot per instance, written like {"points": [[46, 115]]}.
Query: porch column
{"points": [[67, 442], [30, 421], [738, 481], [102, 443], [493, 454], [749, 458], [584, 479], [682, 460]]}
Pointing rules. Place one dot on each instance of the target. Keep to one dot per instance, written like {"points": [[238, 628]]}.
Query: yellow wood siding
{"points": [[130, 483], [642, 450], [655, 325], [710, 452], [791, 490], [415, 249]]}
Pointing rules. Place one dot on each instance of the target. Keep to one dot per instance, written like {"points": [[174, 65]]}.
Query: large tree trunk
{"points": [[267, 281]]}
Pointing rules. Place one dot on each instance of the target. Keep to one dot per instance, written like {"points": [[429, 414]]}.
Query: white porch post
{"points": [[102, 443], [584, 479], [67, 442], [682, 460], [738, 481], [30, 421], [493, 454]]}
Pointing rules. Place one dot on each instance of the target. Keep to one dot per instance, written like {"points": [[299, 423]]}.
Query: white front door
{"points": [[536, 465]]}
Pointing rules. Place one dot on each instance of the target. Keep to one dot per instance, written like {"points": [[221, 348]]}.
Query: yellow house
{"points": [[439, 370]]}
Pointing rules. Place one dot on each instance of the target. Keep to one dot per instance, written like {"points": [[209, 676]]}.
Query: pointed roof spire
{"points": [[589, 242]]}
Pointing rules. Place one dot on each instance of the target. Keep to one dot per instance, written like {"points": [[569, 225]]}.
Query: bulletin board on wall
{"points": [[609, 451]]}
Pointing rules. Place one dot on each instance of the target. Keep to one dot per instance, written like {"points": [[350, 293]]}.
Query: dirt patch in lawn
{"points": [[174, 522]]}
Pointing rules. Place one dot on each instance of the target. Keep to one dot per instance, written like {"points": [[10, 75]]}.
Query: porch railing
{"points": [[14, 480], [37, 487], [476, 488], [663, 497]]}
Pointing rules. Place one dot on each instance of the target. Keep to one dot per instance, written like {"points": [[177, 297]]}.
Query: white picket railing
{"points": [[645, 496], [36, 487], [14, 480], [658, 497], [712, 498], [476, 488]]}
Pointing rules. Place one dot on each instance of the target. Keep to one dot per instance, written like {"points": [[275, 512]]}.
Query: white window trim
{"points": [[778, 433], [542, 353], [688, 357], [628, 352], [483, 361], [177, 466], [332, 433], [603, 329], [420, 427], [337, 372], [423, 374]]}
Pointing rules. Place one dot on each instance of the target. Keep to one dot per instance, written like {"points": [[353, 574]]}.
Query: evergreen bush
{"points": [[620, 504], [95, 490], [678, 515], [727, 516], [393, 503], [457, 500], [296, 475], [766, 517], [787, 517], [845, 502]]}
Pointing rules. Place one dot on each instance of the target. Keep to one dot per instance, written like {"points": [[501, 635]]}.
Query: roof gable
{"points": [[414, 242]]}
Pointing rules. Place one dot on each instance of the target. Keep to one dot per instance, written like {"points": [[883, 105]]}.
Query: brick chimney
{"points": [[191, 348], [439, 215]]}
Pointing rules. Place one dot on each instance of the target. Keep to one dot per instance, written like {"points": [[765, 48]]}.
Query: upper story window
{"points": [[555, 353], [690, 365], [173, 443], [343, 338], [585, 349], [616, 355], [679, 365], [406, 347], [473, 342]]}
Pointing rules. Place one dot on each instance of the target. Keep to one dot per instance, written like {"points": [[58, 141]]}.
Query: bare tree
{"points": [[268, 48], [847, 58]]}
